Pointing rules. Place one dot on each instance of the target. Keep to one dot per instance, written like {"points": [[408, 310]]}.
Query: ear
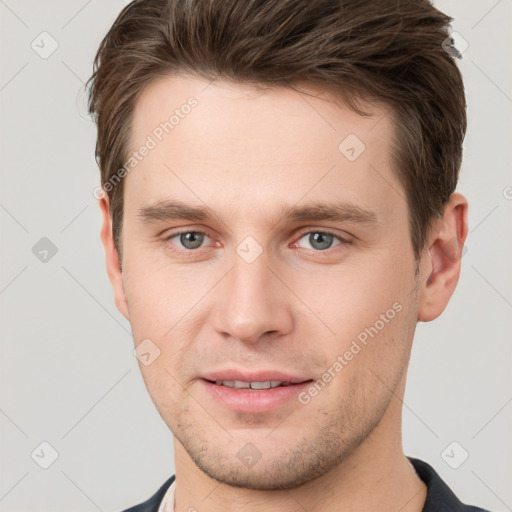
{"points": [[441, 261], [112, 257]]}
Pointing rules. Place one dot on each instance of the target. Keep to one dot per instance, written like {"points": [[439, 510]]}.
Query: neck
{"points": [[374, 476]]}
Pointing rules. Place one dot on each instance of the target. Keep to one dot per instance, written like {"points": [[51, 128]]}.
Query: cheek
{"points": [[164, 390], [160, 295], [350, 299], [371, 315]]}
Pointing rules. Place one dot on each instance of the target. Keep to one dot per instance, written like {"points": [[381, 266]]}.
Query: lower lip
{"points": [[254, 401]]}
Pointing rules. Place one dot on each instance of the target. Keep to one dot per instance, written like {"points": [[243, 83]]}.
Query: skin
{"points": [[247, 153]]}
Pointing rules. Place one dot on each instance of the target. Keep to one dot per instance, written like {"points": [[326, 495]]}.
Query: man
{"points": [[278, 214]]}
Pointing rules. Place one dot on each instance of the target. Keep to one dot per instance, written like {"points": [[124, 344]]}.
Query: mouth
{"points": [[254, 394], [254, 385]]}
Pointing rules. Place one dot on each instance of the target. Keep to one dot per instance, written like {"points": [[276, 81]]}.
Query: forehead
{"points": [[226, 139], [226, 112]]}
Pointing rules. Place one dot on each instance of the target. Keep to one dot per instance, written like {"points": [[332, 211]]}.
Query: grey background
{"points": [[68, 374]]}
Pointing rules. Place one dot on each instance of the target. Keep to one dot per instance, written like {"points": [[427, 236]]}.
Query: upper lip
{"points": [[248, 376]]}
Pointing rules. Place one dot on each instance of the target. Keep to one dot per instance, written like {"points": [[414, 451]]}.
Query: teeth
{"points": [[261, 385], [238, 384]]}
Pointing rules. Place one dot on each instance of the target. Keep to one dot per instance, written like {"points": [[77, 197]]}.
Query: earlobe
{"points": [[442, 259], [112, 258]]}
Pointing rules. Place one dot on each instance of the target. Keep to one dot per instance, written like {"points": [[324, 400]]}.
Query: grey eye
{"points": [[319, 240], [190, 239]]}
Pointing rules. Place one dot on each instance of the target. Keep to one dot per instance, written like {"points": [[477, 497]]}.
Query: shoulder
{"points": [[440, 498], [153, 503]]}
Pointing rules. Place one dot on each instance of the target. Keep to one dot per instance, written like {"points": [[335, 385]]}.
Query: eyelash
{"points": [[343, 241]]}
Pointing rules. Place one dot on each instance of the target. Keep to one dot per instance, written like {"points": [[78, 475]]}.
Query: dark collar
{"points": [[153, 503], [440, 497]]}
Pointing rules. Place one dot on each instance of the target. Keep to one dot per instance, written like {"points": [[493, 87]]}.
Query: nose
{"points": [[253, 303]]}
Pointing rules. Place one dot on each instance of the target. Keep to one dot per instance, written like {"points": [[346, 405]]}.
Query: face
{"points": [[263, 243]]}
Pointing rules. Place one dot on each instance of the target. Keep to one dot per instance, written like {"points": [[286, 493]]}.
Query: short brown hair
{"points": [[391, 51]]}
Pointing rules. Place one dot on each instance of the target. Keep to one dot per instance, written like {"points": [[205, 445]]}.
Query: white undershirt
{"points": [[167, 504]]}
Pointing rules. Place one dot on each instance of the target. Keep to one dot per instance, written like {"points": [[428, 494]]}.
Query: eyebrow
{"points": [[169, 210]]}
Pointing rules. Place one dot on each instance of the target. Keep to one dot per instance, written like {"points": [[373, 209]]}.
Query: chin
{"points": [[274, 467], [263, 479]]}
